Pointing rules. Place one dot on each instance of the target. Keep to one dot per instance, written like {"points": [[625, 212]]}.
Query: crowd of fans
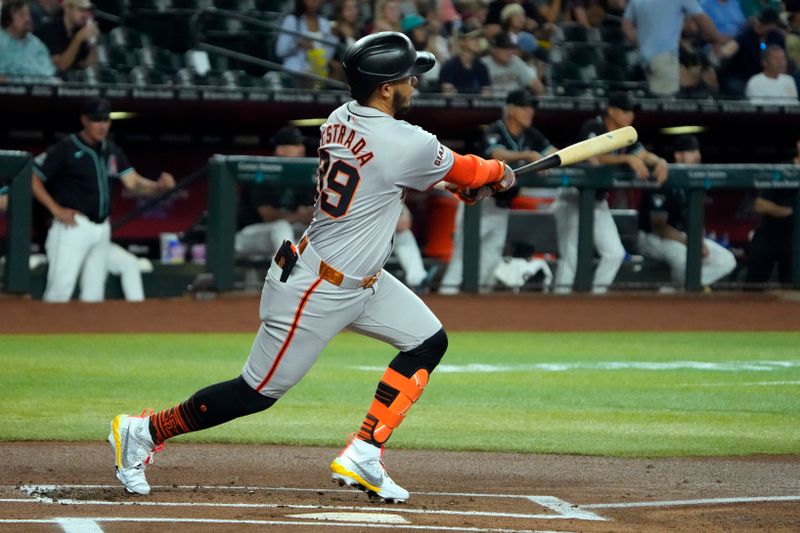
{"points": [[685, 48]]}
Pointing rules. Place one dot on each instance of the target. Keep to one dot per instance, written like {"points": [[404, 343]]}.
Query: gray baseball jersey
{"points": [[367, 160]]}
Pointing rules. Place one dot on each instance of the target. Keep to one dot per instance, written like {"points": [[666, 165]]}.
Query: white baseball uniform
{"points": [[605, 235], [367, 160]]}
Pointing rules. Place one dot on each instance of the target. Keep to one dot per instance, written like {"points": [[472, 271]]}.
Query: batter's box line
{"points": [[563, 510], [84, 525]]}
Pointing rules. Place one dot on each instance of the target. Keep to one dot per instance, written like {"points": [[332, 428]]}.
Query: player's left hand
{"points": [[166, 181], [467, 195], [508, 180]]}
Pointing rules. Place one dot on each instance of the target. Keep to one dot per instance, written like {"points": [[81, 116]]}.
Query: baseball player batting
{"points": [[334, 279]]}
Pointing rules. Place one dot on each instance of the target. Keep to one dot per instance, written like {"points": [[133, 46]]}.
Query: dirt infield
{"points": [[49, 487], [497, 312]]}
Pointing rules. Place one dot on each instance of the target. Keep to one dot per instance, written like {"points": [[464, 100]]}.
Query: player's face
{"points": [[689, 157], [96, 130], [522, 114], [403, 91], [290, 150], [620, 117]]}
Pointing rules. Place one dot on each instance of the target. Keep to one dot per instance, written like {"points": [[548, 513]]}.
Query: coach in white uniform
{"points": [[334, 278], [644, 164], [661, 226], [72, 179]]}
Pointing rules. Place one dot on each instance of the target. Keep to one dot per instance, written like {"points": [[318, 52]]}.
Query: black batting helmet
{"points": [[381, 58]]}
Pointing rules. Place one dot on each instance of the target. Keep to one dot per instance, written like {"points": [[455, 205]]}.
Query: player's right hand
{"points": [[65, 215]]}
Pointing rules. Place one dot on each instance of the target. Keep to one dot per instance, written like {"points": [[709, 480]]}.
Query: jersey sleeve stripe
{"points": [[126, 171]]}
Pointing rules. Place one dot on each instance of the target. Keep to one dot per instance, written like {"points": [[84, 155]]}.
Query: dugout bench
{"points": [[224, 171]]}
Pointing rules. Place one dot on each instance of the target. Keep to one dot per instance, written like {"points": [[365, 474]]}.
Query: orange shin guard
{"points": [[395, 395]]}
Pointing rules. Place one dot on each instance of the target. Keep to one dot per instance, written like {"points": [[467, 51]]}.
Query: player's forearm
{"points": [[504, 154], [668, 232], [771, 209], [65, 59], [613, 159], [472, 171]]}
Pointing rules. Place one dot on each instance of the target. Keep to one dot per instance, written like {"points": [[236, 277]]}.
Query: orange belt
{"points": [[331, 275]]}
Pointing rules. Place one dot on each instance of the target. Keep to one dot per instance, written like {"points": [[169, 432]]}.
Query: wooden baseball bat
{"points": [[575, 153]]}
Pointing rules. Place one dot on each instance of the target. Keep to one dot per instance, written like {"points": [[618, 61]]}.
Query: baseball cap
{"points": [[411, 22], [288, 135], [503, 40], [468, 30], [80, 4], [686, 143], [521, 97], [769, 16], [97, 108], [621, 100]]}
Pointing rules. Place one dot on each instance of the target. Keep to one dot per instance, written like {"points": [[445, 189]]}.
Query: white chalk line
{"points": [[704, 501], [432, 512], [157, 520], [712, 366], [738, 384]]}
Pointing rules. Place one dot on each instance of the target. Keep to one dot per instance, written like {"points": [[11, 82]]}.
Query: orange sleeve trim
{"points": [[473, 171]]}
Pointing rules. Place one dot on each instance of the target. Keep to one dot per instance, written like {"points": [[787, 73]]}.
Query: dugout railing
{"points": [[15, 172], [225, 171]]}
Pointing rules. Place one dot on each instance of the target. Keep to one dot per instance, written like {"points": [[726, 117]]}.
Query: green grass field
{"points": [[625, 394]]}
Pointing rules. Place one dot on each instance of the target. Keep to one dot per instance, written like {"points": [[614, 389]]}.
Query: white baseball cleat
{"points": [[133, 450], [360, 466]]}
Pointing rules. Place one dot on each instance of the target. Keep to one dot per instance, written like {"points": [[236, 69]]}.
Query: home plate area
{"points": [[106, 508]]}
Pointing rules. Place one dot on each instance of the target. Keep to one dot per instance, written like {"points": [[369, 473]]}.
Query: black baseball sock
{"points": [[207, 408]]}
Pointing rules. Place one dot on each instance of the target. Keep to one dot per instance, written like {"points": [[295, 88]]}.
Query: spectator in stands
{"points": [[753, 8], [662, 226], [772, 85], [269, 215], [346, 29], [644, 164], [306, 54], [71, 179], [387, 16], [656, 27], [793, 39], [752, 42], [22, 54], [772, 240], [727, 16], [533, 17], [512, 21], [464, 73], [71, 36], [698, 76], [415, 26], [43, 11], [507, 71], [587, 13], [515, 141]]}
